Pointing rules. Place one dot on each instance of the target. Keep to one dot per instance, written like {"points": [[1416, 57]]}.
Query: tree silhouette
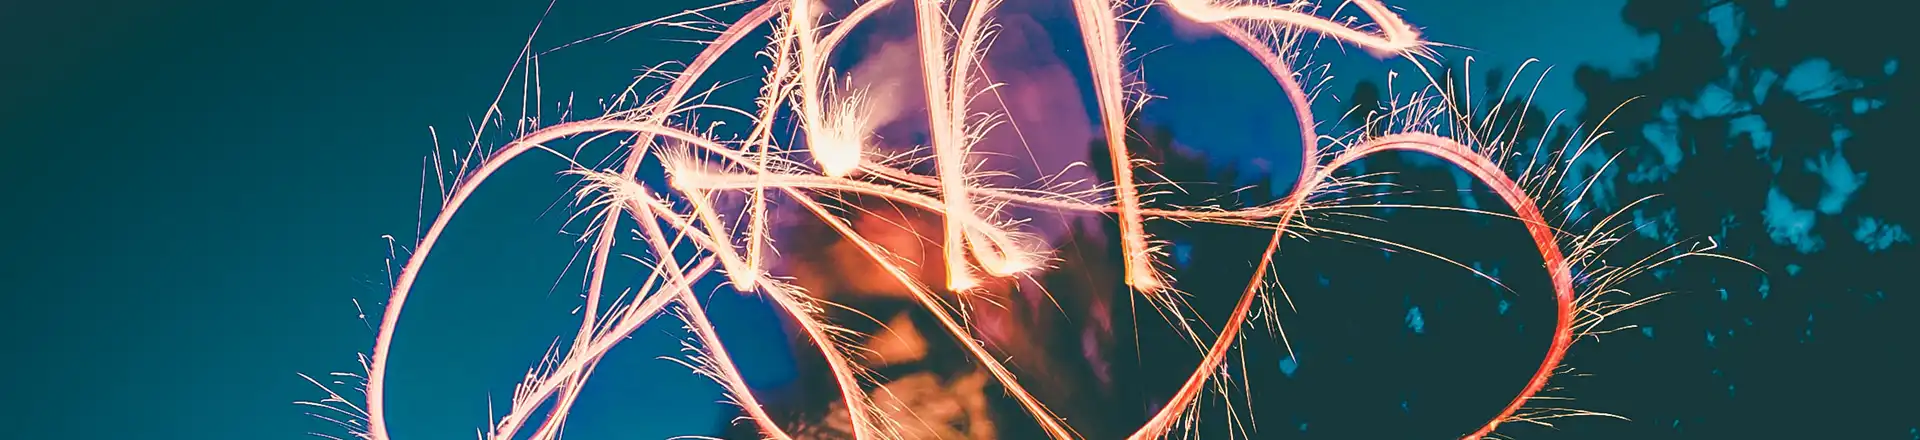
{"points": [[1765, 125]]}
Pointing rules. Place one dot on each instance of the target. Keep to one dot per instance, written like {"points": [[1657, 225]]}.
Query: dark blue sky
{"points": [[199, 191]]}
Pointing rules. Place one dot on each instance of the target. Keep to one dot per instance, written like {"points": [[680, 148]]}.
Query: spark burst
{"points": [[832, 157]]}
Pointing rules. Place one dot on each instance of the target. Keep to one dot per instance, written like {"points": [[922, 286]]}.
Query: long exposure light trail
{"points": [[978, 240]]}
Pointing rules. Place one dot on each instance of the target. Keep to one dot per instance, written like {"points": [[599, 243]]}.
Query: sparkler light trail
{"points": [[690, 233]]}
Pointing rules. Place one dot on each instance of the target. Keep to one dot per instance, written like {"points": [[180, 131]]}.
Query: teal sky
{"points": [[207, 186], [198, 192]]}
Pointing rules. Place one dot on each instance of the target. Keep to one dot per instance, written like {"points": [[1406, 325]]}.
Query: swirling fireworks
{"points": [[979, 239]]}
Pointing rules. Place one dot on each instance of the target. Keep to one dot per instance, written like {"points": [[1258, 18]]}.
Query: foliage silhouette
{"points": [[1767, 126]]}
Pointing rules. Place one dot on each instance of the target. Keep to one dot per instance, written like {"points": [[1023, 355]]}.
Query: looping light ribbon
{"points": [[799, 53]]}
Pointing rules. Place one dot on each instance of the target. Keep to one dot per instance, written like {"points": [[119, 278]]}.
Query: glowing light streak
{"points": [[835, 134]]}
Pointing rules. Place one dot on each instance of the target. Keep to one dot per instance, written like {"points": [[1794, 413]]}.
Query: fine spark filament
{"points": [[689, 218]]}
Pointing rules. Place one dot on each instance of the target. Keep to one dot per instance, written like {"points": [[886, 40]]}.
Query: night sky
{"points": [[199, 191]]}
